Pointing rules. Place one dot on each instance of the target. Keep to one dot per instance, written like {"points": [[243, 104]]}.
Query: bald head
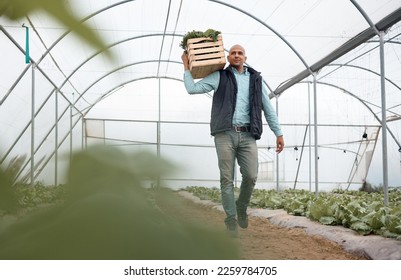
{"points": [[236, 57], [239, 47]]}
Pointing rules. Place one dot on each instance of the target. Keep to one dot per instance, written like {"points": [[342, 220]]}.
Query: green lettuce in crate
{"points": [[211, 33]]}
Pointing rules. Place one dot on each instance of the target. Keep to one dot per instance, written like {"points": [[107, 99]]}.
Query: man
{"points": [[236, 123]]}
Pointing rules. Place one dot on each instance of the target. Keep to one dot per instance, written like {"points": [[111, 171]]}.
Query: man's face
{"points": [[236, 57]]}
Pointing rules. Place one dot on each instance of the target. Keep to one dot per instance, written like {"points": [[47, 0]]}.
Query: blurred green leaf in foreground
{"points": [[16, 9], [107, 213]]}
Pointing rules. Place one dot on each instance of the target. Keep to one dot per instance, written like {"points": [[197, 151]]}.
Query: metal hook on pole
{"points": [[27, 56]]}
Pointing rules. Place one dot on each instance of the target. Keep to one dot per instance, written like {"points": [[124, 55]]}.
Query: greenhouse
{"points": [[110, 73], [111, 150]]}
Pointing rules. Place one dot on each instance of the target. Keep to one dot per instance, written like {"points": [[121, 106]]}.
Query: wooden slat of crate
{"points": [[214, 49], [201, 45], [211, 54], [205, 57], [205, 39], [201, 69]]}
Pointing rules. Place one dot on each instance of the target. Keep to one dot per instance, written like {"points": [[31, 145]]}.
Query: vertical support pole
{"points": [[70, 133], [158, 121], [33, 126], [310, 140], [56, 138], [380, 33], [71, 126], [277, 157], [159, 132], [384, 118], [27, 61], [316, 138], [104, 132], [84, 134]]}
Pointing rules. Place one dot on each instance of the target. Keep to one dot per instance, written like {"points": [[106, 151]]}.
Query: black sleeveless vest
{"points": [[224, 100]]}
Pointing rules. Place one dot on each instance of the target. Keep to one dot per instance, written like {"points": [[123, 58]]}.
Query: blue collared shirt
{"points": [[241, 114]]}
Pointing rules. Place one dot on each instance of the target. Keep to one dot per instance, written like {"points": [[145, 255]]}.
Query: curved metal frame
{"points": [[107, 94], [395, 16]]}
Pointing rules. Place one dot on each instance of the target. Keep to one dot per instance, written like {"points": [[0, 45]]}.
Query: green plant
{"points": [[210, 33], [107, 213], [361, 211]]}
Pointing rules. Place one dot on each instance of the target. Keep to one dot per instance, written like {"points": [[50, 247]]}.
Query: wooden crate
{"points": [[205, 56]]}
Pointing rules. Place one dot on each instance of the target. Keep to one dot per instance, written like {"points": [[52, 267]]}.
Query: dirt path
{"points": [[265, 241]]}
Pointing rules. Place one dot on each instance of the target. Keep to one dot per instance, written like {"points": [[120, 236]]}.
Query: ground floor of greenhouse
{"points": [[275, 235]]}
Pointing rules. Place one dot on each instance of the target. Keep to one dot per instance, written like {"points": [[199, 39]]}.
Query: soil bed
{"points": [[263, 240]]}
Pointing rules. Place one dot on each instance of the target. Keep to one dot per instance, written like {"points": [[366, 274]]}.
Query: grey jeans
{"points": [[240, 146]]}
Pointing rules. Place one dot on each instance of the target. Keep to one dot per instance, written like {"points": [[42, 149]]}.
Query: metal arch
{"points": [[215, 1], [135, 63], [385, 23], [26, 69], [123, 2], [107, 94], [380, 33], [365, 69], [75, 70], [225, 4], [389, 41], [373, 72], [362, 37], [114, 44], [82, 21], [365, 15], [10, 90], [345, 91], [117, 43], [271, 29], [110, 46], [359, 99], [126, 66]]}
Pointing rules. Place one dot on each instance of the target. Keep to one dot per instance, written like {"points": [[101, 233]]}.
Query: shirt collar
{"points": [[246, 72]]}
